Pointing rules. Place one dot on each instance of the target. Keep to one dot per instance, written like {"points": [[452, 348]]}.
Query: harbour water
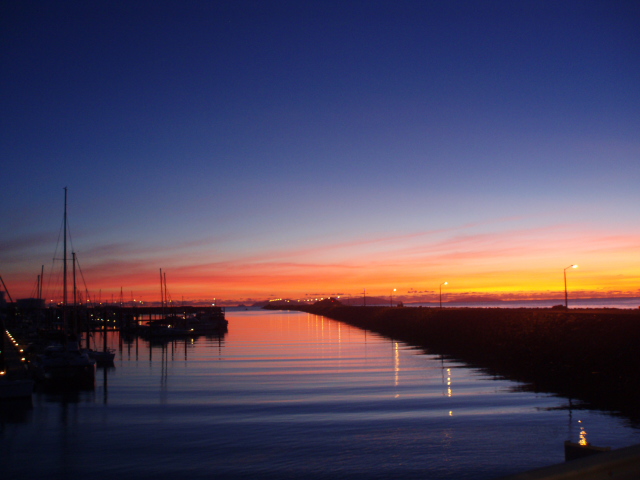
{"points": [[292, 395]]}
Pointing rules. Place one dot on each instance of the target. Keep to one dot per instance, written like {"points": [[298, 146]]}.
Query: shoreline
{"points": [[588, 356]]}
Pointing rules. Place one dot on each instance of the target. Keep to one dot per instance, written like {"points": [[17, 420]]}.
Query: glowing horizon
{"points": [[507, 263]]}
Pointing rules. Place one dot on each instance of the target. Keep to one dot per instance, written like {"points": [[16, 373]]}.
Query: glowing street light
{"points": [[445, 283], [566, 297], [391, 298]]}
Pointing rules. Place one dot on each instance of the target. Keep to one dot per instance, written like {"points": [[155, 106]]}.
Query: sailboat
{"points": [[104, 356], [168, 326], [65, 364]]}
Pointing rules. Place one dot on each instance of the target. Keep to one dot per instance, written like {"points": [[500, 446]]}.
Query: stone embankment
{"points": [[586, 355]]}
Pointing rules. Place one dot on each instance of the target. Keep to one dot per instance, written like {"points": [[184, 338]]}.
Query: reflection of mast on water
{"points": [[220, 347], [570, 419], [164, 373], [104, 385]]}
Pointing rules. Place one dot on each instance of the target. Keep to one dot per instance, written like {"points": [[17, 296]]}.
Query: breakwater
{"points": [[589, 356]]}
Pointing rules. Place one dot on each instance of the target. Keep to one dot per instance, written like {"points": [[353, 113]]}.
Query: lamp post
{"points": [[445, 283], [566, 296], [391, 297]]}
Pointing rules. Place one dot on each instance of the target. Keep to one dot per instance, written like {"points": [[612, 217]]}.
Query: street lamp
{"points": [[391, 298], [566, 297], [445, 283]]}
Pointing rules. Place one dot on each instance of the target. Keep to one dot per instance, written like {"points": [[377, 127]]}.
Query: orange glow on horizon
{"points": [[518, 264]]}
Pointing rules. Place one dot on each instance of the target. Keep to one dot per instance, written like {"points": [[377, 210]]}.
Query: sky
{"points": [[267, 149]]}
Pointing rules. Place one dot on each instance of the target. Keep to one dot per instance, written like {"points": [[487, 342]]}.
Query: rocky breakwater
{"points": [[591, 356]]}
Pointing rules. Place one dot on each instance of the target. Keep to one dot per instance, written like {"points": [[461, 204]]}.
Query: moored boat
{"points": [[203, 323], [573, 451], [64, 365], [102, 356]]}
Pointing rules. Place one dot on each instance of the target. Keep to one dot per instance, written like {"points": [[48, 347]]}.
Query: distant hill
{"points": [[328, 302], [277, 303]]}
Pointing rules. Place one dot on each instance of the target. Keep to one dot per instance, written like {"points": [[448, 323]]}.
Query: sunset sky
{"points": [[260, 149]]}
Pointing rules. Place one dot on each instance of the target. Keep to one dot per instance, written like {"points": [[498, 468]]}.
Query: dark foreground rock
{"points": [[587, 355]]}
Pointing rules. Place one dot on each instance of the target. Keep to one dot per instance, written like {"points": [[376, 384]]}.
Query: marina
{"points": [[277, 395], [393, 240]]}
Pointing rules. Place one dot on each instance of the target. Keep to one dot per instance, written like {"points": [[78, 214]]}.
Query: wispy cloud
{"points": [[477, 258]]}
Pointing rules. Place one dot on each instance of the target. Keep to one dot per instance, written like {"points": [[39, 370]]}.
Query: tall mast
{"points": [[64, 268], [166, 297], [76, 314], [75, 287], [161, 293]]}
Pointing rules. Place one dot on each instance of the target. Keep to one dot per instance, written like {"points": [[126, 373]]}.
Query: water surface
{"points": [[292, 395]]}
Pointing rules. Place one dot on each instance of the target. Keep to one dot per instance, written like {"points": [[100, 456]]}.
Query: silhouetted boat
{"points": [[64, 365], [101, 357], [203, 323], [573, 451], [159, 330], [104, 356]]}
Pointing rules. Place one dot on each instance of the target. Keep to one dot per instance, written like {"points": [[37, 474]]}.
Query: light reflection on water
{"points": [[290, 395]]}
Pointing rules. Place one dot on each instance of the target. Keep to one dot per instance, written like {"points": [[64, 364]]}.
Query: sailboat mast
{"points": [[161, 293], [166, 297], [75, 314], [75, 287], [64, 268]]}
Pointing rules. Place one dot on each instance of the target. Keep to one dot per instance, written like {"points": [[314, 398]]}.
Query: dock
{"points": [[13, 365], [15, 384], [35, 315]]}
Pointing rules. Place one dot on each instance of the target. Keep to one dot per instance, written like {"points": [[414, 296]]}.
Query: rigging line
{"points": [[35, 289], [83, 280], [6, 289], [69, 234], [50, 291], [167, 295]]}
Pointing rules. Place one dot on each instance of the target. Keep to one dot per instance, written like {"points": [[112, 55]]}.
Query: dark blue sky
{"points": [[246, 132]]}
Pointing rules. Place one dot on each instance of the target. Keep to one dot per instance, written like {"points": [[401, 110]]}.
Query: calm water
{"points": [[291, 395]]}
